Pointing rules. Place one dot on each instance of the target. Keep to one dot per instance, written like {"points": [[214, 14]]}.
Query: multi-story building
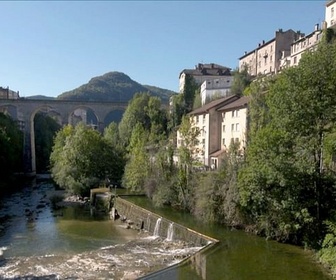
{"points": [[330, 14], [266, 58], [220, 87], [225, 118], [234, 126], [6, 93], [203, 72], [304, 44]]}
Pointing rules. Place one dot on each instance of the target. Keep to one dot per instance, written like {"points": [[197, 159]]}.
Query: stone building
{"points": [[304, 44], [6, 93], [204, 72], [330, 13], [216, 88], [266, 58]]}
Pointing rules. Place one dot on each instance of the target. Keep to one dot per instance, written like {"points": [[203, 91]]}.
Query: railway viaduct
{"points": [[24, 110]]}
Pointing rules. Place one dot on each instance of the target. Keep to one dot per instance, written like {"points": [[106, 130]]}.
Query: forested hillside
{"points": [[113, 86]]}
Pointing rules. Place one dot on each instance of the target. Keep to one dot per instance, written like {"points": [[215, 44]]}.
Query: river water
{"points": [[239, 255], [37, 242]]}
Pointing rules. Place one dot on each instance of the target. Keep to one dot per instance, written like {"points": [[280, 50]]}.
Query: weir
{"points": [[159, 226]]}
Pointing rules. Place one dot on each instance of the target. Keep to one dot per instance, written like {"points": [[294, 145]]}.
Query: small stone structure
{"points": [[146, 220], [100, 198]]}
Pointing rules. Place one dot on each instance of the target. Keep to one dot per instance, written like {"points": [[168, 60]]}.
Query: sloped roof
{"points": [[217, 153], [210, 69], [241, 102], [213, 104]]}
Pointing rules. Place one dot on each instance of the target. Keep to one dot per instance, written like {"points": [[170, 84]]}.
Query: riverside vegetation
{"points": [[283, 188]]}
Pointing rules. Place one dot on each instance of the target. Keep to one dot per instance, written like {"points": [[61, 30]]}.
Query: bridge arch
{"points": [[24, 111]]}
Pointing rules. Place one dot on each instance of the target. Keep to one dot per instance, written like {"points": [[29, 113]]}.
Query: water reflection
{"points": [[238, 255], [31, 227]]}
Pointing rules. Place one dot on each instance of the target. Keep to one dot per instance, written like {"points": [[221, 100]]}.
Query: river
{"points": [[37, 242], [72, 243], [239, 255]]}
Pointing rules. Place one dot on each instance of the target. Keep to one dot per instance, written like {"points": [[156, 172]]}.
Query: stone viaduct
{"points": [[24, 110]]}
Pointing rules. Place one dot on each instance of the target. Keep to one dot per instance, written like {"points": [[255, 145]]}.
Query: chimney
{"points": [[317, 27]]}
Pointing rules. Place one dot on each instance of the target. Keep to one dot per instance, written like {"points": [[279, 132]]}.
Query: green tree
{"points": [[137, 166], [241, 80], [189, 92], [45, 128], [176, 112], [283, 184], [11, 146], [145, 110], [134, 114], [82, 159]]}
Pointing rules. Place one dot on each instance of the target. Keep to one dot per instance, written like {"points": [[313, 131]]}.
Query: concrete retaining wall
{"points": [[147, 220]]}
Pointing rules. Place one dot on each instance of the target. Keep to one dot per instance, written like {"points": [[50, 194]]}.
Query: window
{"points": [[232, 127], [204, 118], [223, 141], [235, 113], [271, 58], [223, 128], [237, 126], [294, 59], [197, 119], [237, 140], [332, 12]]}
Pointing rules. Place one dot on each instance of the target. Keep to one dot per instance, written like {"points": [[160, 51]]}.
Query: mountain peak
{"points": [[113, 86]]}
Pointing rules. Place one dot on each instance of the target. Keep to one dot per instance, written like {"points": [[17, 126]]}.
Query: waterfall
{"points": [[157, 227], [148, 222], [170, 233]]}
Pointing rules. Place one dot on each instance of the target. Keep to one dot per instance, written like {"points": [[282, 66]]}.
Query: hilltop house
{"points": [[330, 14], [265, 59], [204, 72], [6, 93]]}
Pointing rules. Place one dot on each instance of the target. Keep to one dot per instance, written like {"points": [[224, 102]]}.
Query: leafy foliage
{"points": [[11, 146], [113, 86], [81, 159], [45, 129], [328, 252], [282, 185], [145, 110], [241, 81], [136, 169]]}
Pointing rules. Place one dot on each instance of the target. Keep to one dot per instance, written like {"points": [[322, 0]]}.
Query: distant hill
{"points": [[113, 86], [40, 97]]}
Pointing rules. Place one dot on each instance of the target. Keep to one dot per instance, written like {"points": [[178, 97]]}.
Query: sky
{"points": [[49, 47]]}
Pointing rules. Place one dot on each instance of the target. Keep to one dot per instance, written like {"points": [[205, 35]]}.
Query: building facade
{"points": [[266, 58], [213, 128], [220, 87], [304, 44], [6, 93], [203, 72], [330, 14]]}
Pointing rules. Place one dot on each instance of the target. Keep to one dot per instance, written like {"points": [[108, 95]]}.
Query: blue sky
{"points": [[51, 47]]}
